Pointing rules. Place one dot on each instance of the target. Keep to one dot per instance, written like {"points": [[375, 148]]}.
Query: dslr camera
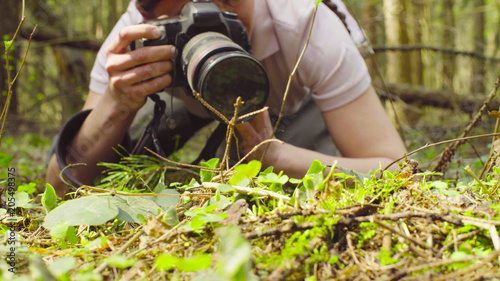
{"points": [[213, 57]]}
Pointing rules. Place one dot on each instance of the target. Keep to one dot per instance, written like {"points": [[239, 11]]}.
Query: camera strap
{"points": [[149, 136]]}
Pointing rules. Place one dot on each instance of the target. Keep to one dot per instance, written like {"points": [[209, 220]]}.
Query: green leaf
{"points": [[133, 208], [166, 202], [220, 204], [315, 167], [90, 210], [171, 217], [97, 243], [206, 176], [29, 188], [236, 252], [459, 255], [250, 170], [8, 44], [385, 257], [196, 223], [236, 179], [119, 261], [22, 200], [62, 266], [5, 159], [167, 262], [39, 270], [333, 259], [49, 199], [59, 231], [71, 235]]}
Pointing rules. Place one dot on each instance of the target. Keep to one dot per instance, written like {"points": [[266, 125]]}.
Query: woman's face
{"points": [[169, 8]]}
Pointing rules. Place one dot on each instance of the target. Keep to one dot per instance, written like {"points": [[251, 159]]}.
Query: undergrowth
{"points": [[254, 224]]}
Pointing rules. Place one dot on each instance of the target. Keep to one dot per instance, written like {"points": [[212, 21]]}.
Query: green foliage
{"points": [[191, 264], [91, 210], [23, 200], [61, 267], [119, 261], [64, 233], [134, 173], [49, 198], [206, 176], [5, 159], [386, 257], [201, 216], [233, 260]]}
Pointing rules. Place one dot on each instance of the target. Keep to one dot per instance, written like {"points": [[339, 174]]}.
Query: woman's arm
{"points": [[361, 130], [132, 76]]}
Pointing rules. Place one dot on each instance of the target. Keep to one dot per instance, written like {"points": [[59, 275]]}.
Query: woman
{"points": [[332, 71]]}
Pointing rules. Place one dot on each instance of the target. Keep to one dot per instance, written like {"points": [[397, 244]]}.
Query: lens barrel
{"points": [[220, 71]]}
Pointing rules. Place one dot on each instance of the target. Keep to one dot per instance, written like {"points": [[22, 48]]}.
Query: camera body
{"points": [[213, 57]]}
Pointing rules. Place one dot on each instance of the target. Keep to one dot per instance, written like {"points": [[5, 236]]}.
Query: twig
{"points": [[351, 248], [398, 232], [129, 243], [290, 77], [459, 238], [450, 150], [159, 239], [3, 116], [281, 273], [491, 159], [249, 191], [403, 272], [379, 49], [483, 187], [61, 174], [180, 164], [439, 143]]}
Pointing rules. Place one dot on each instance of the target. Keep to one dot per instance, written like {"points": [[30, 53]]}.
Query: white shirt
{"points": [[331, 68]]}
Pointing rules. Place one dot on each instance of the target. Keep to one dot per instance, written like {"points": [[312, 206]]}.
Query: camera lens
{"points": [[220, 70]]}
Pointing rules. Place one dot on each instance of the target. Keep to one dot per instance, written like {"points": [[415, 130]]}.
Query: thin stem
{"points": [[439, 143]]}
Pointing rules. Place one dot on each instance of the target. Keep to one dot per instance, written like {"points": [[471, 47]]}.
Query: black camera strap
{"points": [[149, 136]]}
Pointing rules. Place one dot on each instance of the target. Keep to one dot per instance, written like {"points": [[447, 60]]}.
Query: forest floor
{"points": [[252, 224]]}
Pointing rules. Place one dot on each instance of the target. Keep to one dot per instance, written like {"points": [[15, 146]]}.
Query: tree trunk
{"points": [[369, 12], [398, 64], [415, 30], [9, 20], [449, 63], [478, 69]]}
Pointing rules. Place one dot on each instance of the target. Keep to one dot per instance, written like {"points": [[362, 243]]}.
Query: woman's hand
{"points": [[255, 131], [136, 74]]}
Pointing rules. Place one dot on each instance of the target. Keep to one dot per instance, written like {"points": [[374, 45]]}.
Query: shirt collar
{"points": [[263, 38]]}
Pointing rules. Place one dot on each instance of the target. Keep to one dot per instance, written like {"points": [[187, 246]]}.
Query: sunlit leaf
{"points": [[167, 262], [90, 210], [49, 199], [62, 266], [119, 261], [166, 202], [133, 208]]}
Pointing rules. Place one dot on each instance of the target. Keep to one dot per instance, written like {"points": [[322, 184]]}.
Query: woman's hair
{"points": [[339, 14]]}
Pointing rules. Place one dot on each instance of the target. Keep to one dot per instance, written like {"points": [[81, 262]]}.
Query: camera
{"points": [[213, 57]]}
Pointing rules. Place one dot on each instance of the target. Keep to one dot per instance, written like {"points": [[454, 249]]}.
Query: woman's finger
{"points": [[131, 33], [146, 72]]}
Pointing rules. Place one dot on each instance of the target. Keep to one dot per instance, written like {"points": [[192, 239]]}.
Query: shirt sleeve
{"points": [[332, 67], [99, 75]]}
